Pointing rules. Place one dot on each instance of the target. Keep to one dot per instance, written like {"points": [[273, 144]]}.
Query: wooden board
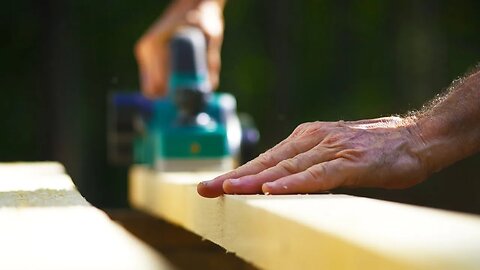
{"points": [[312, 231], [46, 224]]}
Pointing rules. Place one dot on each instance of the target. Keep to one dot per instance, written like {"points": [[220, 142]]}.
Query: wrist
{"points": [[450, 124], [437, 145], [420, 144]]}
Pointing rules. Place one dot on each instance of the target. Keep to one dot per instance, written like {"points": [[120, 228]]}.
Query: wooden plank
{"points": [[312, 231], [46, 224]]}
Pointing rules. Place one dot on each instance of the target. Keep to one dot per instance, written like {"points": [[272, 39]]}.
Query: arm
{"points": [[391, 152], [450, 124], [151, 50]]}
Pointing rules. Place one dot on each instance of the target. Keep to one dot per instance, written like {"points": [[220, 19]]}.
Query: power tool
{"points": [[191, 129]]}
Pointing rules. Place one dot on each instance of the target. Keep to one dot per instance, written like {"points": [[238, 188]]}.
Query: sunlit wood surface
{"points": [[312, 231], [46, 224]]}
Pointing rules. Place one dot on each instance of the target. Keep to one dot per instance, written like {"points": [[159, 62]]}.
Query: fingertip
{"points": [[153, 90], [268, 188], [210, 189], [214, 80], [214, 65], [148, 93], [153, 94], [214, 73], [202, 189], [146, 84]]}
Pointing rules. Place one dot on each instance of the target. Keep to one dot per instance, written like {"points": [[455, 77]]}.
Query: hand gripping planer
{"points": [[191, 129]]}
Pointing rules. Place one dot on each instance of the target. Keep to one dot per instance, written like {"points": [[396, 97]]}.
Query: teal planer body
{"points": [[167, 143], [190, 129]]}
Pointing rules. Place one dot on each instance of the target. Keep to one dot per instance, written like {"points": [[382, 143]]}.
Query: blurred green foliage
{"points": [[287, 62]]}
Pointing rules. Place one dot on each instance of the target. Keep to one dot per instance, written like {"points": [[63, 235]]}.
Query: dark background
{"points": [[287, 62]]}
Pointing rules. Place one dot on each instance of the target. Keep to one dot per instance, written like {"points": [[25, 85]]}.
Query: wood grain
{"points": [[312, 231]]}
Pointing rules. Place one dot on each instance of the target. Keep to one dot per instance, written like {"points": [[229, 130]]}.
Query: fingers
{"points": [[214, 60], [214, 188], [320, 177], [153, 62], [253, 183], [321, 156], [284, 150], [210, 189]]}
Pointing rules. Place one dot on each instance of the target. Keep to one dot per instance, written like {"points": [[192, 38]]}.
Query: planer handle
{"points": [[189, 85]]}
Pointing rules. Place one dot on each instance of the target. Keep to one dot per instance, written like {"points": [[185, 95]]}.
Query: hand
{"points": [[321, 156], [151, 50]]}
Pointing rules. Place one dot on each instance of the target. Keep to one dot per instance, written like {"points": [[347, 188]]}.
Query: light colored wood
{"points": [[312, 231], [46, 224]]}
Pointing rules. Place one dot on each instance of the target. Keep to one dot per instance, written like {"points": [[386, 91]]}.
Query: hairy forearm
{"points": [[450, 124]]}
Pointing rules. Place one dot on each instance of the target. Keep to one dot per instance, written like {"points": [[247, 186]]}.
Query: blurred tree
{"points": [[286, 62]]}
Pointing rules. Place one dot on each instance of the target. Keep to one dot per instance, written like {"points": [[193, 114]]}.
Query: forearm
{"points": [[450, 125]]}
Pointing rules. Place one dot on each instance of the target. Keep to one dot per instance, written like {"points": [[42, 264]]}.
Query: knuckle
{"points": [[303, 126], [351, 154], [322, 153], [142, 44], [290, 165], [266, 160], [294, 149], [309, 128], [232, 174], [317, 172], [299, 129], [333, 138], [279, 145]]}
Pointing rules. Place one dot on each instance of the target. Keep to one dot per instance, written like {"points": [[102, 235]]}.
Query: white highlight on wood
{"points": [[46, 224]]}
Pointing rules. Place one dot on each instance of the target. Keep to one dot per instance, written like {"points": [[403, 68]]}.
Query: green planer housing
{"points": [[210, 142]]}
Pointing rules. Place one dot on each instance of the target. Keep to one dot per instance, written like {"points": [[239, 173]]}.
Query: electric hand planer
{"points": [[191, 129]]}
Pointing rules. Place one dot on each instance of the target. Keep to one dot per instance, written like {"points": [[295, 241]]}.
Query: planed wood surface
{"points": [[46, 224], [312, 231]]}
